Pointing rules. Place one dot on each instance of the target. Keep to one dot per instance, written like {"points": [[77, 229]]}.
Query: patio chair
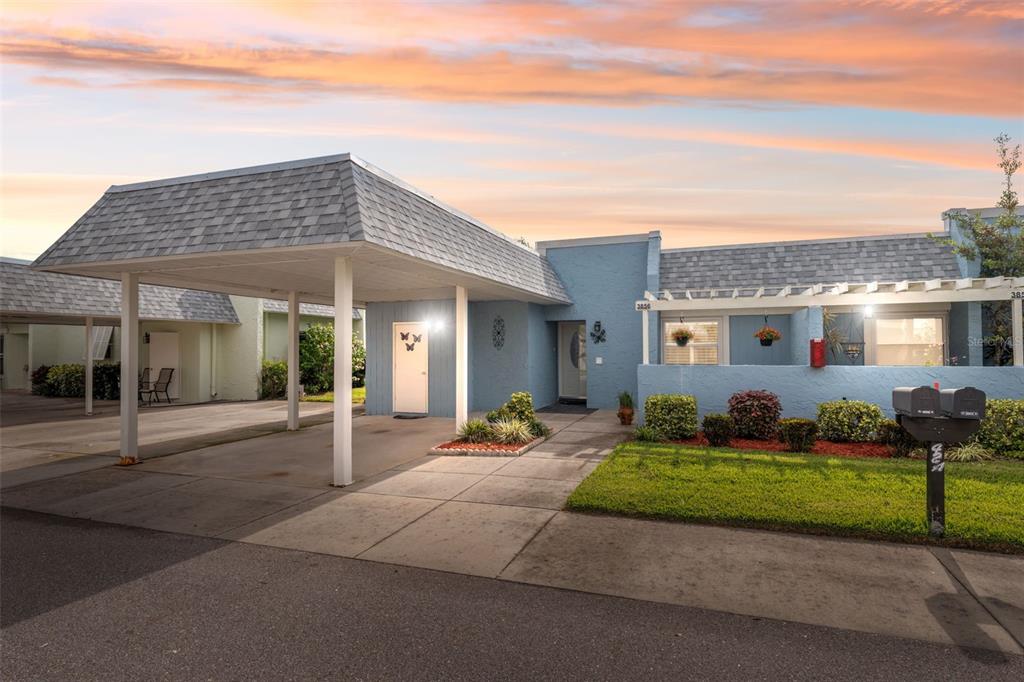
{"points": [[145, 388], [163, 383]]}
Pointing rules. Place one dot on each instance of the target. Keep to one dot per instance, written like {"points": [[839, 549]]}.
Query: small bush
{"points": [[719, 429], [519, 406], [512, 431], [1002, 429], [539, 429], [849, 421], [900, 442], [316, 358], [672, 415], [971, 451], [39, 384], [798, 434], [756, 414], [475, 431], [646, 434], [274, 380], [67, 381], [106, 380]]}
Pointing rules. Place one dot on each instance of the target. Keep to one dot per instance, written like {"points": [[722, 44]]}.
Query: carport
{"points": [[330, 230], [31, 297]]}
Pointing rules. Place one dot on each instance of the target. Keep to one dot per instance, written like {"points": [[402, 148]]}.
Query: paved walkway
{"points": [[498, 517]]}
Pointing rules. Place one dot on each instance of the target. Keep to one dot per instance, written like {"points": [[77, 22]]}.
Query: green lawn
{"points": [[358, 397], [879, 498]]}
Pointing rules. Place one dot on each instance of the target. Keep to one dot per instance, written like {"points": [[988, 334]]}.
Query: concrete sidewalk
{"points": [[499, 517]]}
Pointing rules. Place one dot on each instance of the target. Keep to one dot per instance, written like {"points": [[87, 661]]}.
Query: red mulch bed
{"points": [[821, 447], [456, 445]]}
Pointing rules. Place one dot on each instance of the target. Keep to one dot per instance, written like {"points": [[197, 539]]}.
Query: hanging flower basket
{"points": [[767, 335], [682, 336]]}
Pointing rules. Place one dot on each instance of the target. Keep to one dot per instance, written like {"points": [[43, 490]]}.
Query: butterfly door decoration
{"points": [[416, 338]]}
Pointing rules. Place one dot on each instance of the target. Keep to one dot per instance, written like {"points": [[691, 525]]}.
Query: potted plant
{"points": [[682, 336], [625, 408], [766, 335]]}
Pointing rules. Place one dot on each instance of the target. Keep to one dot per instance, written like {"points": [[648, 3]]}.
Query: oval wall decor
{"points": [[498, 332]]}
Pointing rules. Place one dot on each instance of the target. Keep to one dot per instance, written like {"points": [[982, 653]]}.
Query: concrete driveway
{"points": [[46, 437]]}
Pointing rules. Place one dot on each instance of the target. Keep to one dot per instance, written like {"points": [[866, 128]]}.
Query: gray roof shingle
{"points": [[24, 291], [327, 200], [866, 259], [272, 305]]}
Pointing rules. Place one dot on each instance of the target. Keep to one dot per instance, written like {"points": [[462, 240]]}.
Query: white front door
{"points": [[409, 384], [572, 360]]}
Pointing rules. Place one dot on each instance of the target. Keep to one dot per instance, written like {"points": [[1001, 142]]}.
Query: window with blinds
{"points": [[702, 349]]}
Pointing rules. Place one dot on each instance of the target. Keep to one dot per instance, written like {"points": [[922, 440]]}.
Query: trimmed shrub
{"points": [[756, 414], [316, 358], [849, 421], [672, 415], [475, 431], [519, 406], [718, 429], [358, 362], [798, 434], [539, 429], [900, 442], [67, 381], [1002, 429], [39, 384], [512, 431], [646, 434], [273, 380], [106, 380]]}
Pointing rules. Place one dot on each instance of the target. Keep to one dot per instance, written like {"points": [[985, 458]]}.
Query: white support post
{"points": [[129, 368], [88, 365], [342, 371], [293, 361], [646, 336], [461, 356], [1018, 331]]}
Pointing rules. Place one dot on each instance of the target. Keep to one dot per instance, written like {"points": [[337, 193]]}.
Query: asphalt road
{"points": [[84, 600]]}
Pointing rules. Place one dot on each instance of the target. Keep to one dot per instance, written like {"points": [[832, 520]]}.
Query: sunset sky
{"points": [[715, 122]]}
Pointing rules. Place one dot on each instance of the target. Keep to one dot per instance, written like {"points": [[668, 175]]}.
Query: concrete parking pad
{"points": [[343, 524], [556, 469], [429, 484], [85, 494], [520, 492], [550, 450], [206, 506], [822, 581], [463, 537], [19, 466], [457, 464]]}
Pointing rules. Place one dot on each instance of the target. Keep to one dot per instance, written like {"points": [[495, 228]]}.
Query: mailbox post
{"points": [[937, 418]]}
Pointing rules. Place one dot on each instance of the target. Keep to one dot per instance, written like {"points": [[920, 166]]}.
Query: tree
{"points": [[316, 359], [998, 246]]}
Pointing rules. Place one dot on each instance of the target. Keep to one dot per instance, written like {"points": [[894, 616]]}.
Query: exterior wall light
{"points": [[869, 311]]}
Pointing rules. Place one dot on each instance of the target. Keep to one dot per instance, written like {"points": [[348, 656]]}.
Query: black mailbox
{"points": [[962, 403], [920, 401], [938, 417]]}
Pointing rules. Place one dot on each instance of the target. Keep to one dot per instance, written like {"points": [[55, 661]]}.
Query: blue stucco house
{"points": [[458, 315]]}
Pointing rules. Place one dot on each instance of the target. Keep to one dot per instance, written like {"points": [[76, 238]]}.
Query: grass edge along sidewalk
{"points": [[852, 497]]}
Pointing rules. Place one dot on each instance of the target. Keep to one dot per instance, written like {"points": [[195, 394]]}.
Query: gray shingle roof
{"points": [[866, 259], [25, 291], [272, 305], [327, 200]]}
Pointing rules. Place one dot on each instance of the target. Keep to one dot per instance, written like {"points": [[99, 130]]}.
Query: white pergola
{"points": [[962, 290]]}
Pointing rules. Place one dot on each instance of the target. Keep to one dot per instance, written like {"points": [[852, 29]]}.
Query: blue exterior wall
{"points": [[497, 372], [605, 281], [744, 349], [441, 354], [542, 356], [801, 389]]}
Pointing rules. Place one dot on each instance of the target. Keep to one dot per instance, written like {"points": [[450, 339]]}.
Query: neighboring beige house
{"points": [[215, 342]]}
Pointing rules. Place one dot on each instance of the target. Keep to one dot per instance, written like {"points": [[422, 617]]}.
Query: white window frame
{"points": [[723, 336], [871, 335]]}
